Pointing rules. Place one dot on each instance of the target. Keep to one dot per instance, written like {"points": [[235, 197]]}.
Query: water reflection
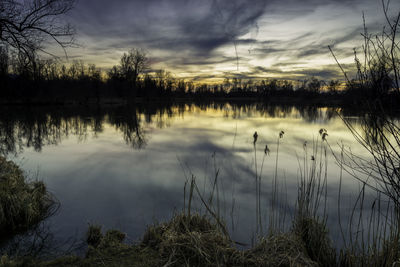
{"points": [[37, 127], [126, 166]]}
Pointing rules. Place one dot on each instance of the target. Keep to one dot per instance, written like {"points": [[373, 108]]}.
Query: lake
{"points": [[126, 167]]}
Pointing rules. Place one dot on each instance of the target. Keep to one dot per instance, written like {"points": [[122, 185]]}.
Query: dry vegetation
{"points": [[23, 204], [191, 239], [182, 241]]}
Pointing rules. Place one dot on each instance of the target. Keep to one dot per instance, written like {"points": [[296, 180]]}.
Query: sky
{"points": [[208, 40]]}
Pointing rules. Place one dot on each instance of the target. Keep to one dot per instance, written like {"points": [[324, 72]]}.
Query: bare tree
{"points": [[133, 64], [378, 132], [4, 61], [26, 25], [378, 64]]}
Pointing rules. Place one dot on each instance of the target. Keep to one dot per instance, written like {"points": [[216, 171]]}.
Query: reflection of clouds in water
{"points": [[103, 180], [236, 164]]}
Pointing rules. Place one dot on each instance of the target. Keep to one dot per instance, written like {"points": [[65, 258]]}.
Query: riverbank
{"points": [[202, 240], [322, 100], [196, 240], [186, 240]]}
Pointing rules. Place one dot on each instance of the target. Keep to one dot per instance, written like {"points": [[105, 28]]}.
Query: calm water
{"points": [[126, 167]]}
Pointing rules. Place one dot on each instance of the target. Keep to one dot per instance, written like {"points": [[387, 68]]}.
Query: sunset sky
{"points": [[207, 40]]}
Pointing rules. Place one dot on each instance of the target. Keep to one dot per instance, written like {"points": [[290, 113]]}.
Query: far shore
{"points": [[320, 101]]}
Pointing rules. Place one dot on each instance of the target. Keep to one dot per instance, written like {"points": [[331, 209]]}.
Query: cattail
{"points": [[255, 136], [324, 135], [266, 150], [281, 134]]}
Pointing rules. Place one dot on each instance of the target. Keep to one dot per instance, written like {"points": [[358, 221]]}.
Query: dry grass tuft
{"points": [[191, 241], [22, 204], [313, 234], [285, 249], [196, 241], [94, 235]]}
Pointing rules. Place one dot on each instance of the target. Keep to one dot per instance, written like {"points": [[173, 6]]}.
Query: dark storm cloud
{"points": [[191, 35], [171, 25], [307, 45], [176, 24], [321, 47], [207, 61]]}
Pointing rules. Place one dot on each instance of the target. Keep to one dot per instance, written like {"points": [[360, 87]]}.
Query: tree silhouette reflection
{"points": [[36, 127]]}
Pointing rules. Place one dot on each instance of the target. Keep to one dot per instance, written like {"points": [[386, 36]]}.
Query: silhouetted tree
{"points": [[132, 65], [24, 25], [4, 61], [190, 87], [76, 70], [314, 85], [378, 64], [181, 87], [333, 86], [22, 65]]}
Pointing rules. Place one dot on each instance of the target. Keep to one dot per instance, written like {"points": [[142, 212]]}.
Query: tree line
{"points": [[23, 76], [25, 26]]}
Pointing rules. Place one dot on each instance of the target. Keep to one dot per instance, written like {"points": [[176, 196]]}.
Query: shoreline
{"points": [[321, 101]]}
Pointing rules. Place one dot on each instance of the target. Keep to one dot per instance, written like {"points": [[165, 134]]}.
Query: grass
{"points": [[192, 239], [183, 241], [23, 204]]}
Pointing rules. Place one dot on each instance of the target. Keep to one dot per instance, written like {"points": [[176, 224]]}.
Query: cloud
{"points": [[179, 24], [204, 39], [325, 73]]}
